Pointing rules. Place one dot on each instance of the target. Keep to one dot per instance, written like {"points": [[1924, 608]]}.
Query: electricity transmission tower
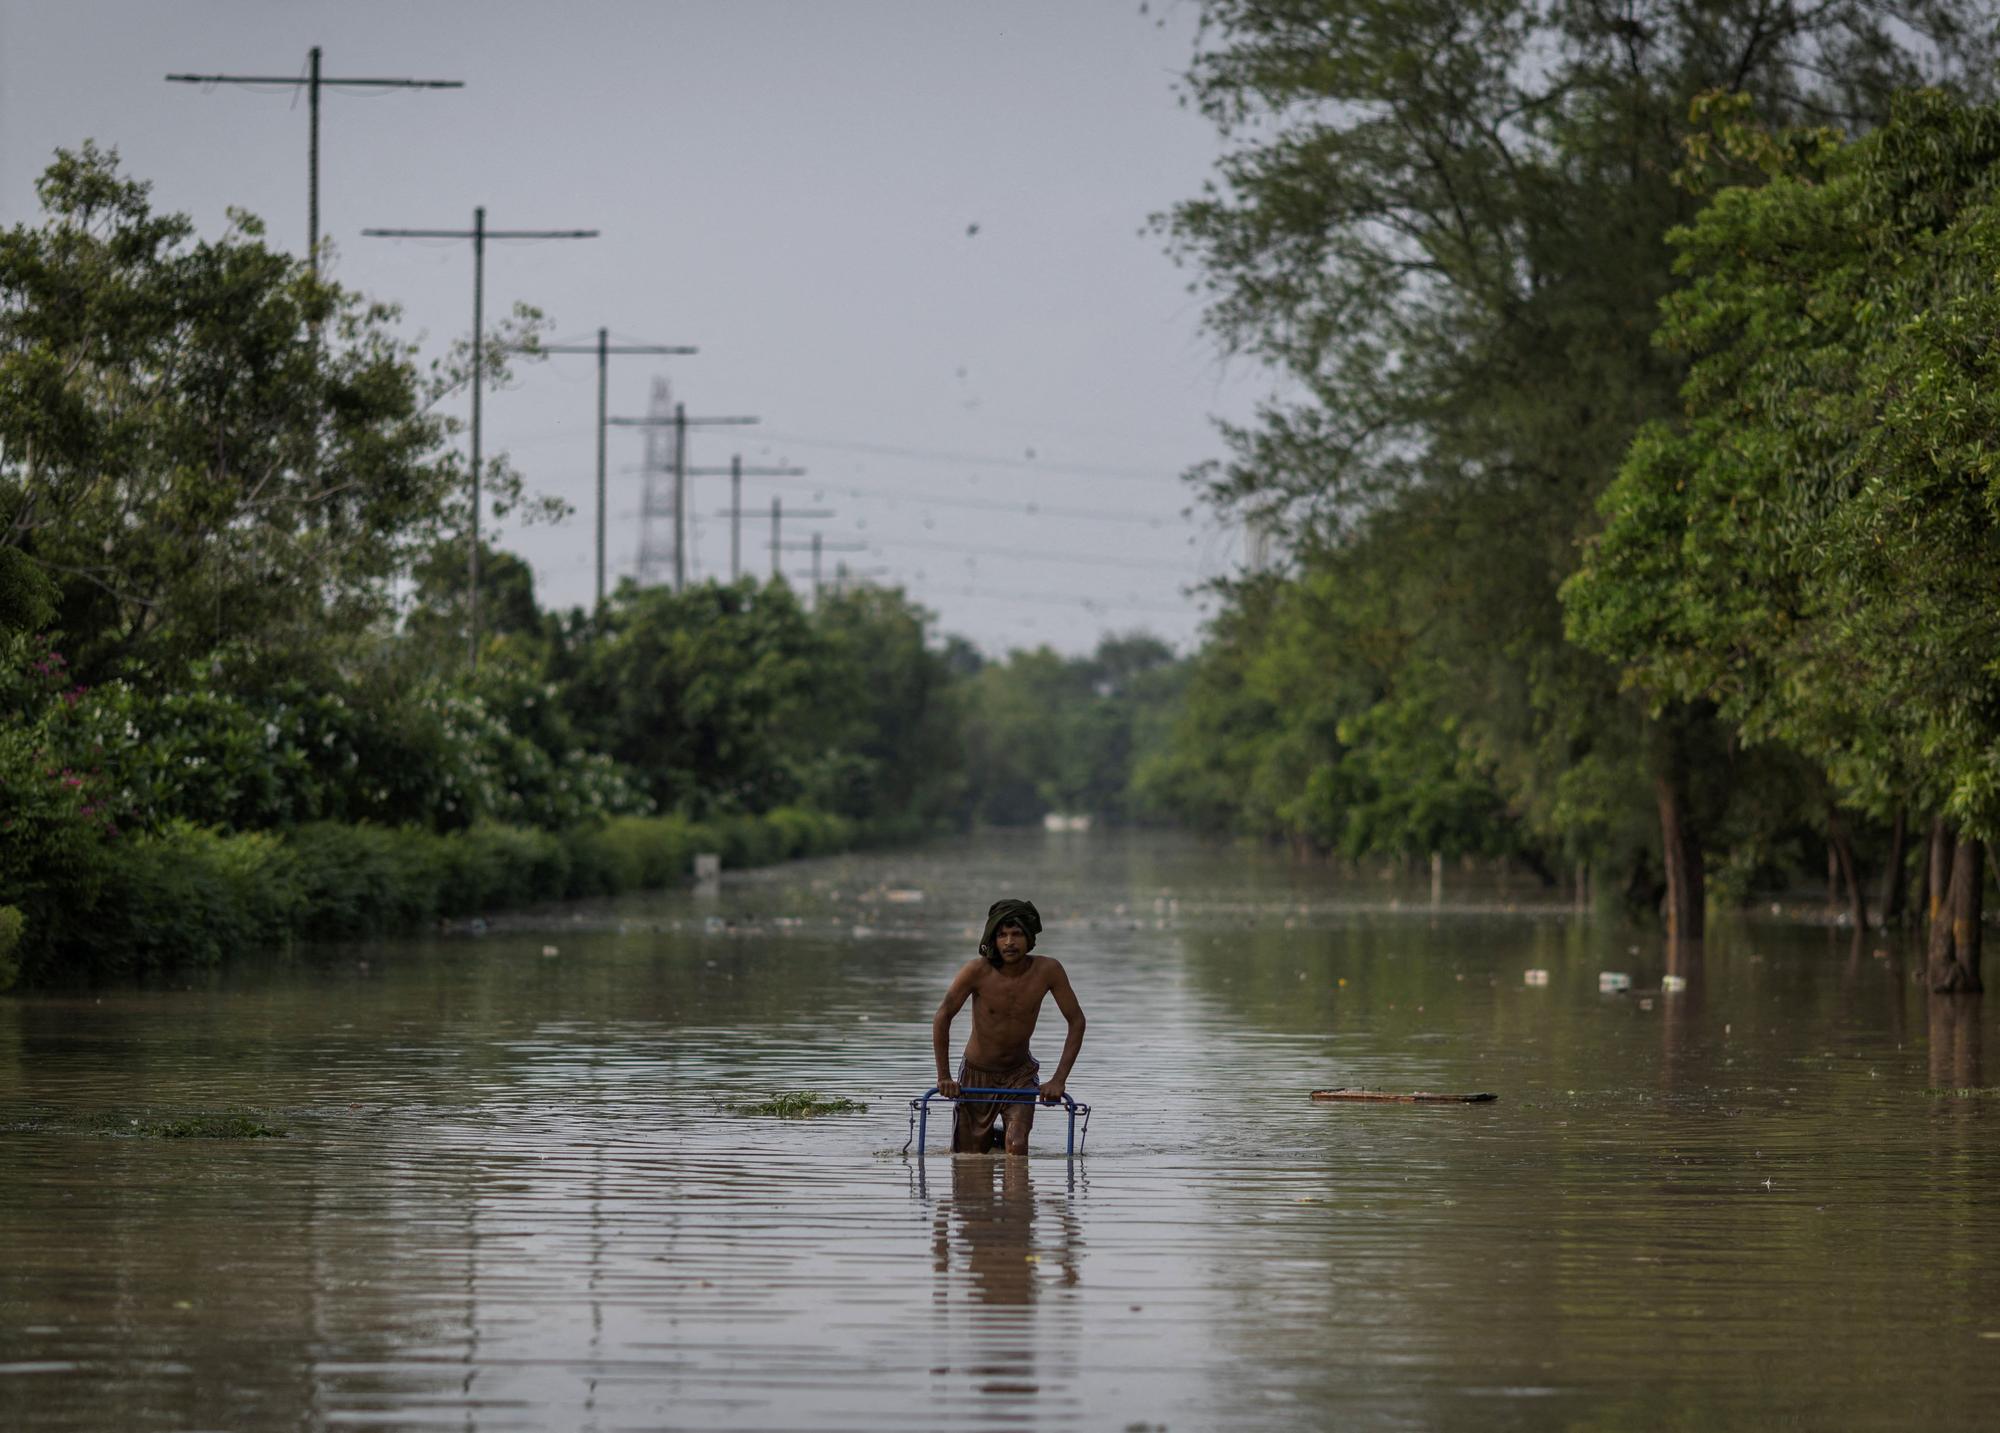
{"points": [[656, 559], [314, 82], [679, 422], [603, 348]]}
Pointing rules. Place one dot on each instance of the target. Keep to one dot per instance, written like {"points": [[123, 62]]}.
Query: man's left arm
{"points": [[1052, 1090]]}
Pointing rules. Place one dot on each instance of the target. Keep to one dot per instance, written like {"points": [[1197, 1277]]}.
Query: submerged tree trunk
{"points": [[1842, 848], [1939, 883], [1954, 944], [1896, 880], [1686, 881]]}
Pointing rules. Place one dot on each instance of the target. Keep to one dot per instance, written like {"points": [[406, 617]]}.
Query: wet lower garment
{"points": [[970, 1118]]}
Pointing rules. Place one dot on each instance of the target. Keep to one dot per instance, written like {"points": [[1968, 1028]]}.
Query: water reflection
{"points": [[1953, 1022], [997, 1250]]}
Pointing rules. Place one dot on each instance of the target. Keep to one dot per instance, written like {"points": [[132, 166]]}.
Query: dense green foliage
{"points": [[1444, 227], [234, 707], [1814, 548], [1047, 733], [187, 896]]}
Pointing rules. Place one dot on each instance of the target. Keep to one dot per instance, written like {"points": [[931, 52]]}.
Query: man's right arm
{"points": [[955, 995]]}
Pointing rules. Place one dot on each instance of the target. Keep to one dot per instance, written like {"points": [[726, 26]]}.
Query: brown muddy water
{"points": [[512, 1192]]}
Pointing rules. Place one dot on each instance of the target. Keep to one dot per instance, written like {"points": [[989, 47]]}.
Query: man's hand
{"points": [[948, 1088], [1052, 1091]]}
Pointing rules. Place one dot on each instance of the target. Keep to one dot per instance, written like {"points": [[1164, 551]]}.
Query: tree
{"points": [[1442, 224], [713, 695], [200, 443], [890, 701], [1814, 547]]}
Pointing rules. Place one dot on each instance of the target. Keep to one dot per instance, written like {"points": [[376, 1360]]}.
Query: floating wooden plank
{"points": [[1391, 1097]]}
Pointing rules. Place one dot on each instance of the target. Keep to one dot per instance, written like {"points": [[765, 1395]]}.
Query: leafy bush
{"points": [[190, 897], [187, 897]]}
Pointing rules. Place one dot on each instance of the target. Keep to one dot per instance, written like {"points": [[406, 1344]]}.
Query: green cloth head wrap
{"points": [[1009, 909]]}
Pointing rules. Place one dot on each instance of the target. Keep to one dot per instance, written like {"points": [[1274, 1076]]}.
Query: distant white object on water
{"points": [[1670, 984], [903, 896], [550, 950], [1534, 977], [707, 866], [1612, 980], [1066, 821]]}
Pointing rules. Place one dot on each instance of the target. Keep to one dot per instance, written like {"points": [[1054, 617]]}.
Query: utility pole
{"points": [[479, 234], [777, 519], [816, 546], [680, 423], [314, 82], [604, 348], [843, 574], [734, 512]]}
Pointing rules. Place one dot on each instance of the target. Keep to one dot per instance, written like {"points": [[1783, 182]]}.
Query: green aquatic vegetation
{"points": [[1973, 1092], [148, 1124], [209, 1126], [801, 1105]]}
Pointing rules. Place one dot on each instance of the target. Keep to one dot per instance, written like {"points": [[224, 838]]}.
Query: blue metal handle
{"points": [[920, 1109]]}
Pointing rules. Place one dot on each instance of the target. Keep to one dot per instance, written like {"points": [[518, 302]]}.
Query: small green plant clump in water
{"points": [[233, 1125], [1972, 1092], [802, 1105], [150, 1124]]}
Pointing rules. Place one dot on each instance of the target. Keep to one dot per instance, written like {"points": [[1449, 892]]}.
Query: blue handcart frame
{"points": [[920, 1113]]}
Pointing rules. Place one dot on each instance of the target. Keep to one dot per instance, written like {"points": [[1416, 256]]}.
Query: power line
{"points": [[984, 460], [1031, 509], [314, 82], [1066, 599], [1016, 554]]}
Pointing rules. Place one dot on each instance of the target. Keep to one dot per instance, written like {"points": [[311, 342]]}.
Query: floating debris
{"points": [[1534, 977], [152, 1124], [801, 1105], [1614, 982], [1391, 1097], [1673, 984]]}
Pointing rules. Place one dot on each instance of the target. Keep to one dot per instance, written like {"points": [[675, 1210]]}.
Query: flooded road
{"points": [[513, 1192]]}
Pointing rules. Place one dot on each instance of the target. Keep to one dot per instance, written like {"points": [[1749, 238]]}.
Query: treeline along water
{"points": [[511, 1191]]}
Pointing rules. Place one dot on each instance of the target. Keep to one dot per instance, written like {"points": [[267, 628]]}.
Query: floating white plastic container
{"points": [[1672, 984], [1534, 977], [1613, 980]]}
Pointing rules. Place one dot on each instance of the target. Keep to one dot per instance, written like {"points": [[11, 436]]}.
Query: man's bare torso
{"points": [[1005, 1006]]}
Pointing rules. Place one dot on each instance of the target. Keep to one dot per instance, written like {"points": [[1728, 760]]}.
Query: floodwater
{"points": [[513, 1192]]}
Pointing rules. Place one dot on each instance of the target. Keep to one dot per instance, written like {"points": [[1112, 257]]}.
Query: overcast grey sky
{"points": [[911, 237]]}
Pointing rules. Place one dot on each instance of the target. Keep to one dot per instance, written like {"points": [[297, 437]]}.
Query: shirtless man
{"points": [[1006, 985]]}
